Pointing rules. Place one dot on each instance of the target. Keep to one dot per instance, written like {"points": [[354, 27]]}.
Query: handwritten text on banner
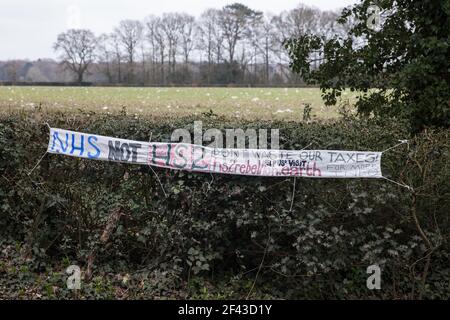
{"points": [[252, 162]]}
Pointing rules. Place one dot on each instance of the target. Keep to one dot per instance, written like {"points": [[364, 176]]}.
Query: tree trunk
{"points": [[80, 77]]}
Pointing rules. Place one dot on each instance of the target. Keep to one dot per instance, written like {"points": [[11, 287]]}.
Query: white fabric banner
{"points": [[196, 158]]}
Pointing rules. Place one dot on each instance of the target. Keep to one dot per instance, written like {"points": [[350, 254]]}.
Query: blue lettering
{"points": [[62, 146], [91, 143], [81, 147]]}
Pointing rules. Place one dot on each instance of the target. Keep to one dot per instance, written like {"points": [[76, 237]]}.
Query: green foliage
{"points": [[407, 61], [207, 239]]}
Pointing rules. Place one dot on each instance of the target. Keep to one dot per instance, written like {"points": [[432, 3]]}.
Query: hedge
{"points": [[221, 231]]}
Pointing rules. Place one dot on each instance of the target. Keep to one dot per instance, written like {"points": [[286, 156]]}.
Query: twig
{"points": [[29, 173], [112, 222], [260, 266], [293, 194], [159, 181], [426, 240]]}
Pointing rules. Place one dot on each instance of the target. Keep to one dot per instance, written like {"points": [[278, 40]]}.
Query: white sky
{"points": [[28, 28]]}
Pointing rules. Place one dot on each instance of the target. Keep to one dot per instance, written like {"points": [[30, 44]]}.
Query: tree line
{"points": [[231, 45]]}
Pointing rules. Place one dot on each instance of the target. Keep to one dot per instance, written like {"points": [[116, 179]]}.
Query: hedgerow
{"points": [[221, 236]]}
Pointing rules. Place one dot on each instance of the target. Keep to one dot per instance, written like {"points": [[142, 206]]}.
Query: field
{"points": [[245, 103]]}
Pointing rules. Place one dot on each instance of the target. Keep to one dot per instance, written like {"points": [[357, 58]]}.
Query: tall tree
{"points": [[235, 21], [155, 36], [118, 55], [210, 39], [129, 33], [263, 41], [12, 69], [291, 24], [187, 30], [150, 25], [77, 48], [105, 56], [170, 24]]}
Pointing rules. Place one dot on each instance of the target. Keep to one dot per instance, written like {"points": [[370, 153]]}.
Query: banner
{"points": [[196, 158]]}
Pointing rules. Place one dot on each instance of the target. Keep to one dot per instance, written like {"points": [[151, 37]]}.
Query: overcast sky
{"points": [[28, 28]]}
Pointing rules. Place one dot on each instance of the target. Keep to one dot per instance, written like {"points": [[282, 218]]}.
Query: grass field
{"points": [[247, 103]]}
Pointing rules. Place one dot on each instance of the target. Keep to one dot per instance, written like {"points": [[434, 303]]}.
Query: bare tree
{"points": [[187, 31], [210, 38], [105, 56], [264, 43], [12, 69], [235, 20], [170, 26], [234, 44], [130, 33], [289, 24], [156, 37], [118, 55], [149, 36], [211, 35], [77, 47]]}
